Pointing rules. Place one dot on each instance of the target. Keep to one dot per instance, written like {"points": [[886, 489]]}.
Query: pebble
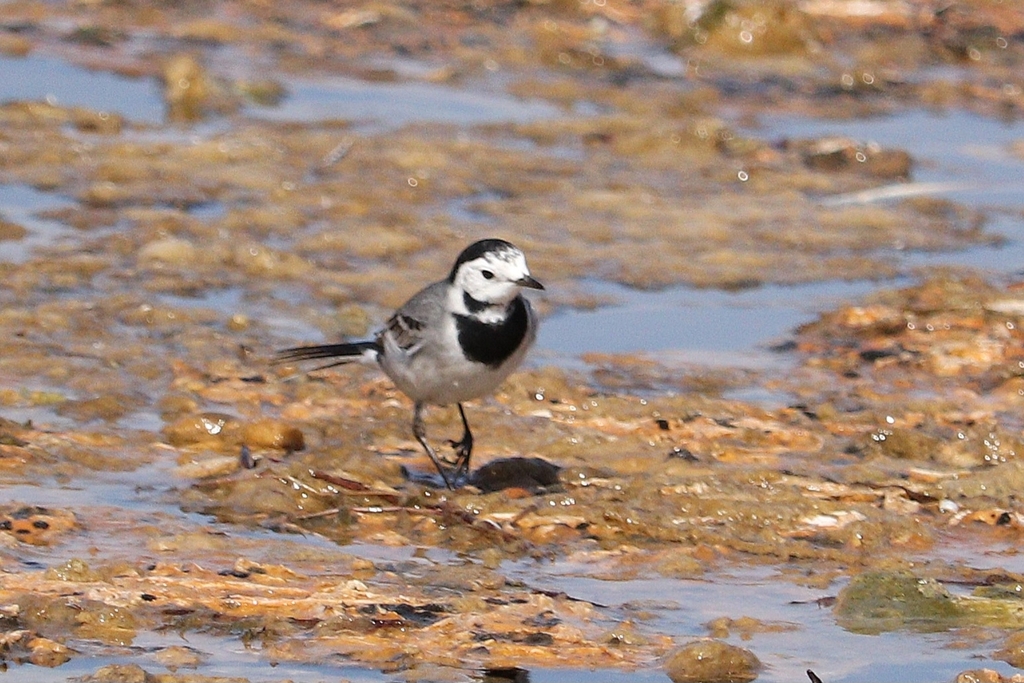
{"points": [[711, 661]]}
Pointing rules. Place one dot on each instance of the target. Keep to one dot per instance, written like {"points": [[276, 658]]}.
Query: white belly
{"points": [[440, 374], [444, 380]]}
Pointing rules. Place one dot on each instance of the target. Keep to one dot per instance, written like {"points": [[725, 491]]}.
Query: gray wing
{"points": [[411, 324]]}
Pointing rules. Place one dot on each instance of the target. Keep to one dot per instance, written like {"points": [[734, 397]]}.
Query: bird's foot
{"points": [[451, 479], [451, 462], [463, 448]]}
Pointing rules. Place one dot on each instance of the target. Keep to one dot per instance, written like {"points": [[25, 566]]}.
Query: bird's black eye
{"points": [[488, 275]]}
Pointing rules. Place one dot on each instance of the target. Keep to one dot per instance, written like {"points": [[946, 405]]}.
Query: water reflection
{"points": [[65, 84], [960, 156], [20, 204], [701, 326], [707, 327], [682, 608], [968, 157], [392, 105]]}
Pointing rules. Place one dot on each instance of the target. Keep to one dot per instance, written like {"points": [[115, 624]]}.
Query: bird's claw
{"points": [[462, 449]]}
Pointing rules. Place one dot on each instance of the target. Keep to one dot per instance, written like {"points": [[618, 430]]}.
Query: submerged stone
{"points": [[880, 601], [712, 661]]}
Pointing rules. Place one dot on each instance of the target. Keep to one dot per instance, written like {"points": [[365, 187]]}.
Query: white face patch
{"points": [[492, 279]]}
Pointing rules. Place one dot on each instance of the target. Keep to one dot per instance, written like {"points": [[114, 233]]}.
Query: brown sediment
{"points": [[902, 436]]}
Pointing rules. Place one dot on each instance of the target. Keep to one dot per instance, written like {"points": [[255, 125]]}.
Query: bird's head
{"points": [[492, 272]]}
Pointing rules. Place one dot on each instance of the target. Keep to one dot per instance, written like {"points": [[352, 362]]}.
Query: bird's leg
{"points": [[463, 448], [420, 432]]}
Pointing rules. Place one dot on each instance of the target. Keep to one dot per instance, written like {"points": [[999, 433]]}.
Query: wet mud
{"points": [[159, 476]]}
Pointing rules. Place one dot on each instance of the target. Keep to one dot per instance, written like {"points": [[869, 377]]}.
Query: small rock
{"points": [[187, 88], [878, 601], [208, 466], [11, 231], [1012, 651], [844, 154], [980, 676], [179, 657], [74, 570], [103, 122], [118, 673], [205, 429], [239, 322], [48, 653], [171, 251], [273, 434], [711, 661]]}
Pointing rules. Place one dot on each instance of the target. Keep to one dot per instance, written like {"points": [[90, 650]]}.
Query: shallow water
{"points": [[20, 204], [959, 156], [966, 156], [654, 605], [677, 325], [682, 608], [388, 106], [687, 325], [59, 82], [225, 657]]}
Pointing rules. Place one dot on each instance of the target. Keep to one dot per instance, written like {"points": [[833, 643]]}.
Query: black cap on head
{"points": [[478, 249]]}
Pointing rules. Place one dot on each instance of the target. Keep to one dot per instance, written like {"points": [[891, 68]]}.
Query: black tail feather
{"points": [[346, 352]]}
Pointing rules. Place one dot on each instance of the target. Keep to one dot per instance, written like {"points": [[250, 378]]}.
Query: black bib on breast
{"points": [[493, 343]]}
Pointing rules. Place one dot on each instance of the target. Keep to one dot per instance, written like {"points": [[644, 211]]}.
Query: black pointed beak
{"points": [[529, 283]]}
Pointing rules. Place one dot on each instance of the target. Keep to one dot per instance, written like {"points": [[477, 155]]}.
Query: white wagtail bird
{"points": [[454, 340]]}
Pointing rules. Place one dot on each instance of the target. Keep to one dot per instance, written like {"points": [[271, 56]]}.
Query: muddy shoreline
{"points": [[259, 176]]}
